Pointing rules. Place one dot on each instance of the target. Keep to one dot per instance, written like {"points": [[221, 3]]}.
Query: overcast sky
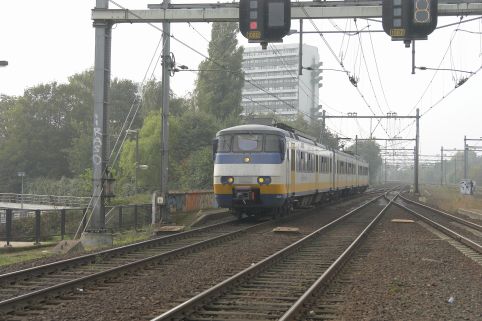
{"points": [[51, 40]]}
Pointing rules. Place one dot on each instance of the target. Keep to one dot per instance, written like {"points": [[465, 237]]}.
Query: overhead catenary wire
{"points": [[238, 73], [367, 70], [436, 71], [378, 71], [342, 66]]}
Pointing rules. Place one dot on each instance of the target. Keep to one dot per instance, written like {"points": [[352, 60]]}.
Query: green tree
{"points": [[370, 151], [189, 134], [218, 87], [80, 93], [199, 170]]}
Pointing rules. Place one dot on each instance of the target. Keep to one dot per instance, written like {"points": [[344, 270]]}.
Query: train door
{"points": [[357, 173], [292, 170], [333, 167]]}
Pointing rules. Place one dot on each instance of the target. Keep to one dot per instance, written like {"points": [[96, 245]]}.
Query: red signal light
{"points": [[253, 25]]}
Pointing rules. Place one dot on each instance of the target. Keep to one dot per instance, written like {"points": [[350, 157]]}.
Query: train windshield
{"points": [[224, 143], [242, 143], [248, 143]]}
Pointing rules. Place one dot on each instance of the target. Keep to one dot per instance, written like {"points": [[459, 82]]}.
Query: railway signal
{"points": [[264, 21], [409, 20]]}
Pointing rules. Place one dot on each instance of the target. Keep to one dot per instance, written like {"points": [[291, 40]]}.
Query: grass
{"points": [[12, 256], [449, 198], [132, 236], [16, 255]]}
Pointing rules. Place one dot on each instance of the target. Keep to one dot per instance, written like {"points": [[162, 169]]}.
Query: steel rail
{"points": [[462, 239], [452, 217], [37, 271], [21, 301], [253, 270], [297, 308]]}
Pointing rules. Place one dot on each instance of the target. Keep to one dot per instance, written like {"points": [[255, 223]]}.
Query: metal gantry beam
{"points": [[370, 117], [210, 12]]}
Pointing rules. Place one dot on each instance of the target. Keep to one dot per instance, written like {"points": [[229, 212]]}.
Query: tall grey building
{"points": [[272, 82]]}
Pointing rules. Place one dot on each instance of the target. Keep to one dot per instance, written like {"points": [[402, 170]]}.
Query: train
{"points": [[261, 169]]}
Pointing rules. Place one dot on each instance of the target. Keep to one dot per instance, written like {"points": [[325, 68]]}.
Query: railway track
{"points": [[466, 233], [278, 287], [21, 289], [31, 289], [331, 303]]}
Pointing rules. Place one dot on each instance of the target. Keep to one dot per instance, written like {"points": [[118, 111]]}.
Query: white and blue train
{"points": [[259, 168]]}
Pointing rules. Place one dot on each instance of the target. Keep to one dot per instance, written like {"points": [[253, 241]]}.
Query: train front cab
{"points": [[250, 170]]}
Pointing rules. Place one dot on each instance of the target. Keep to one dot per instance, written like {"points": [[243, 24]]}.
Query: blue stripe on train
{"points": [[256, 158], [273, 200]]}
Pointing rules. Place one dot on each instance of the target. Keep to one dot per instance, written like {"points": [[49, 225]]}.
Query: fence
{"points": [[70, 201], [41, 225]]}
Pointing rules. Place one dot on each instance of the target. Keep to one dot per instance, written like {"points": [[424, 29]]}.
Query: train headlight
{"points": [[264, 180], [227, 179]]}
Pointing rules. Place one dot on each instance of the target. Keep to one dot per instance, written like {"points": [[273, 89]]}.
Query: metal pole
{"points": [[466, 157], [442, 165], [417, 139], [323, 119], [166, 62], [137, 161], [37, 227], [413, 57], [356, 144], [8, 226], [103, 32], [300, 58], [21, 205]]}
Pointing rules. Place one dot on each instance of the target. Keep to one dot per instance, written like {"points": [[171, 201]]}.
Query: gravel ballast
{"points": [[405, 272], [150, 292]]}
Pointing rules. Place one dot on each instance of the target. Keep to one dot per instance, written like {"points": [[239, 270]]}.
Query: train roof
{"points": [[256, 128], [253, 128]]}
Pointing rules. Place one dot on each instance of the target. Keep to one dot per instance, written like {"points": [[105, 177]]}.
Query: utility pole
{"points": [[441, 165], [97, 234], [417, 139], [166, 66], [466, 157], [356, 144], [323, 124], [300, 58]]}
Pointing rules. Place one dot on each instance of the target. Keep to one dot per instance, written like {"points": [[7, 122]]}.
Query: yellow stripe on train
{"points": [[264, 189], [227, 189]]}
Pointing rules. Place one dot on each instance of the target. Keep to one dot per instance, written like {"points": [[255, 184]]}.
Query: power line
{"points": [[351, 78], [368, 72], [435, 73]]}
